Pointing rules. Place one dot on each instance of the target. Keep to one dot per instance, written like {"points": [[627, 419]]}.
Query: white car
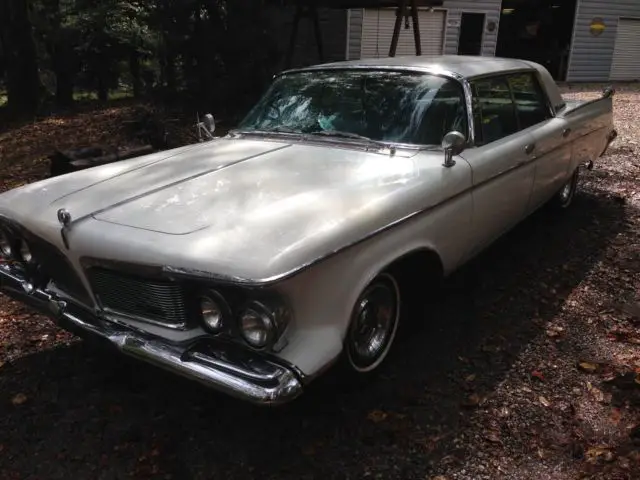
{"points": [[254, 261]]}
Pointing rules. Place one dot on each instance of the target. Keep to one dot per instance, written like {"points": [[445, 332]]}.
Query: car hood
{"points": [[235, 182], [247, 208]]}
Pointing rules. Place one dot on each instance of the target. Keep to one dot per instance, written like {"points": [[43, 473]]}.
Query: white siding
{"points": [[377, 32], [453, 11], [455, 8], [626, 55], [592, 57], [355, 33]]}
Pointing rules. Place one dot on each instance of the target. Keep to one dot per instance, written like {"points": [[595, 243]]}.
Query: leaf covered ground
{"points": [[526, 366]]}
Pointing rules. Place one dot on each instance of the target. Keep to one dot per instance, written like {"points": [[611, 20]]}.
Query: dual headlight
{"points": [[12, 247], [259, 323]]}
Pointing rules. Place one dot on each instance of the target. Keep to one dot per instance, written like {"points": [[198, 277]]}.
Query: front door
{"points": [[502, 163]]}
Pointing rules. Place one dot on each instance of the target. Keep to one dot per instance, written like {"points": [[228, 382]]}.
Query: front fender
{"points": [[322, 296]]}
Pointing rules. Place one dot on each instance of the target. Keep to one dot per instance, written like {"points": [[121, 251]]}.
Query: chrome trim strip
{"points": [[116, 315], [225, 367]]}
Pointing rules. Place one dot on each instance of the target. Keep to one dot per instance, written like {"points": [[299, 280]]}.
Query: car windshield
{"points": [[389, 106]]}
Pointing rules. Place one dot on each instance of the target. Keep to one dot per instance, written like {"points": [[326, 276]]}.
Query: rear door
{"points": [[551, 136], [501, 160]]}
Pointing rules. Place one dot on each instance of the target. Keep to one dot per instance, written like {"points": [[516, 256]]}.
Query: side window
{"points": [[529, 98], [494, 113], [443, 112]]}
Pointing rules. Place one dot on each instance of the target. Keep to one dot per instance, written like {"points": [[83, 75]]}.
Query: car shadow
{"points": [[91, 414]]}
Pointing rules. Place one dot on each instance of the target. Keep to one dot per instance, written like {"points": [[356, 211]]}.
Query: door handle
{"points": [[566, 132], [530, 148]]}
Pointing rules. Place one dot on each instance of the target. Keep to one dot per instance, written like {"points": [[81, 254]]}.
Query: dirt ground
{"points": [[527, 366]]}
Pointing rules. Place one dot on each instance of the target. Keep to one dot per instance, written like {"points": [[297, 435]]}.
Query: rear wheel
{"points": [[565, 195]]}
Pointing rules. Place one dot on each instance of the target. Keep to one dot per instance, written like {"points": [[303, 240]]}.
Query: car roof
{"points": [[463, 65]]}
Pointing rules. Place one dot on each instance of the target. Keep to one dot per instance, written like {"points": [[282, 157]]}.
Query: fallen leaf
{"points": [[588, 367], [544, 401], [492, 437], [377, 416], [19, 399], [600, 453], [470, 378], [537, 374], [472, 400], [554, 331], [615, 415]]}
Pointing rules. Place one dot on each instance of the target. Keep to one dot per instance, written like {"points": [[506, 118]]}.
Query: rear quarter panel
{"points": [[590, 122]]}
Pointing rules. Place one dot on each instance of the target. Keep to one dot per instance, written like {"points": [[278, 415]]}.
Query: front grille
{"points": [[58, 268], [155, 300]]}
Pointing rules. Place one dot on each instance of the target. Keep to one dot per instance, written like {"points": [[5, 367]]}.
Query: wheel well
{"points": [[416, 268]]}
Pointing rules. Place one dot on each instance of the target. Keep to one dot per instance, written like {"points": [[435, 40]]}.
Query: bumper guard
{"points": [[225, 367]]}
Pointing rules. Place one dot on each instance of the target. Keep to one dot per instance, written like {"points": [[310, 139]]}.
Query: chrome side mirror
{"points": [[209, 123], [453, 144], [206, 127]]}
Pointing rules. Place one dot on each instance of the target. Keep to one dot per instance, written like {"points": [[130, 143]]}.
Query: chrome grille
{"points": [[152, 300]]}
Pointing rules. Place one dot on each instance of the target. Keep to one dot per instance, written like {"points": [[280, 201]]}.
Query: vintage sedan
{"points": [[254, 261]]}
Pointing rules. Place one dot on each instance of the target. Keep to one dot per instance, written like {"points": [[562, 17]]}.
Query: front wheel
{"points": [[374, 324], [565, 195]]}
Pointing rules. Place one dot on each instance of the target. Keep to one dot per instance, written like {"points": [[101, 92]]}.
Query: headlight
{"points": [[257, 326], [262, 323], [5, 244], [212, 310], [25, 252]]}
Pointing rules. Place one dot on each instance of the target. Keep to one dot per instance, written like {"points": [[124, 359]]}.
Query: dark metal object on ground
{"points": [[66, 161]]}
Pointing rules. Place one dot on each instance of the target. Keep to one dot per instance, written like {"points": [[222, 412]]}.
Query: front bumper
{"points": [[225, 367]]}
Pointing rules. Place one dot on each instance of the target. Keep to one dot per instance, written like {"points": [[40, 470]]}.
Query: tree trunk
{"points": [[23, 80], [103, 89], [134, 68]]}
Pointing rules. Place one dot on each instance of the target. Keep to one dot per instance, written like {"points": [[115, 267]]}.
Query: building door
{"points": [[377, 31], [626, 55], [471, 30]]}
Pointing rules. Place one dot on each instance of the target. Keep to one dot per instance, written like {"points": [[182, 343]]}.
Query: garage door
{"points": [[626, 56], [377, 30]]}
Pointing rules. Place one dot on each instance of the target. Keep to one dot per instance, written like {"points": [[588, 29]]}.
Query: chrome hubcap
{"points": [[566, 191], [374, 323]]}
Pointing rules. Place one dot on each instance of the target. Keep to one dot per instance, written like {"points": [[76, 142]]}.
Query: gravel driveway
{"points": [[524, 368]]}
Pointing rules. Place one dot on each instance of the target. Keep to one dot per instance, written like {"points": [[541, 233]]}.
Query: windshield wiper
{"points": [[340, 133], [270, 130]]}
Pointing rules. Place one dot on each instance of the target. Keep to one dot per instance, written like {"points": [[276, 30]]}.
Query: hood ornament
{"points": [[64, 217]]}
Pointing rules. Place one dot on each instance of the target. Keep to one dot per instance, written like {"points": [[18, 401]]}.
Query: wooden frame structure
{"points": [[309, 9]]}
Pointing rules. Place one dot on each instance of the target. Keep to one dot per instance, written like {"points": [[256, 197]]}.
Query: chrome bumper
{"points": [[227, 368]]}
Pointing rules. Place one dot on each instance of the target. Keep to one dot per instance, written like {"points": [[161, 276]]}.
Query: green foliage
{"points": [[209, 50]]}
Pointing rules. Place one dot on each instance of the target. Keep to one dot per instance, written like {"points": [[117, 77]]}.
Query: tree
{"points": [[21, 63]]}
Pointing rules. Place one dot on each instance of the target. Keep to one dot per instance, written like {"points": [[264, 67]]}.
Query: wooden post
{"points": [[294, 34], [316, 26], [416, 27], [396, 29], [305, 11]]}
